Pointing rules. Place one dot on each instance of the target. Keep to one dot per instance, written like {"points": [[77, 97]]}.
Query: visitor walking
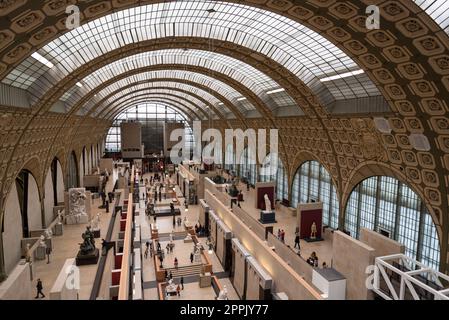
{"points": [[191, 257], [182, 283], [39, 288], [176, 263], [178, 290], [297, 240]]}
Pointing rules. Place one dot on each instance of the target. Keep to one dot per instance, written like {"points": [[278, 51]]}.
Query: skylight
{"points": [[42, 60]]}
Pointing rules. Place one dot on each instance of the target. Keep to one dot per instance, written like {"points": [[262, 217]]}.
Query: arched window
{"points": [[72, 181], [386, 205], [273, 169], [248, 166], [313, 182]]}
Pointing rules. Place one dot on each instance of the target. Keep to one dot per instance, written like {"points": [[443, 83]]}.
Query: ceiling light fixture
{"points": [[79, 84], [42, 60], [276, 91], [241, 99], [343, 75], [220, 103]]}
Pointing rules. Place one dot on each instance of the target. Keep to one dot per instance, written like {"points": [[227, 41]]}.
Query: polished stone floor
{"points": [[67, 246], [182, 252]]}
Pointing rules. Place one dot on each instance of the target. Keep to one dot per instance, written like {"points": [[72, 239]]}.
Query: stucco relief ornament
{"points": [[370, 141]]}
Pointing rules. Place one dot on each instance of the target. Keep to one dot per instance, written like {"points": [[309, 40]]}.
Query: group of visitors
{"points": [[281, 235], [313, 260], [200, 230], [149, 248], [170, 247]]}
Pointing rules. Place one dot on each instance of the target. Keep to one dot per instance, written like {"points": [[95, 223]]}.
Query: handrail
{"points": [[127, 247]]}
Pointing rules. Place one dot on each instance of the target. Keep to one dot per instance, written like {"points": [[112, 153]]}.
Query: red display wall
{"points": [[308, 217], [260, 197]]}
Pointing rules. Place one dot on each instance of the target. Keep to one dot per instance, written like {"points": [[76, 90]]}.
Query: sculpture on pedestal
{"points": [[77, 206], [88, 253], [48, 234], [60, 217], [88, 244], [313, 231], [267, 202], [42, 241], [28, 253], [95, 223], [223, 295]]}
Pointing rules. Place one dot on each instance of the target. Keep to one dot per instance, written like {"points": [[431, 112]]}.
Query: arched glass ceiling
{"points": [[172, 104], [303, 51], [158, 95], [247, 75], [188, 109], [150, 88], [76, 93], [438, 10], [162, 84]]}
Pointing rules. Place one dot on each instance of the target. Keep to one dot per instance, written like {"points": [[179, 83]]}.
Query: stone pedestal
{"points": [[39, 253], [59, 229], [205, 280], [82, 219], [267, 217], [97, 233], [83, 260]]}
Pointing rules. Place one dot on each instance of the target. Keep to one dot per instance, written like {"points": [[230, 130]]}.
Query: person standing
{"points": [[297, 241], [182, 283], [191, 257], [39, 288], [176, 263], [178, 290]]}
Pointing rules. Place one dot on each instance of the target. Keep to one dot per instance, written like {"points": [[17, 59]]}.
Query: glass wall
{"points": [[152, 116], [313, 182], [248, 166], [386, 205], [229, 158], [273, 169]]}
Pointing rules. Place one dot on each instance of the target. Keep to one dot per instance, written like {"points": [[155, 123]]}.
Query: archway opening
{"points": [[390, 207], [312, 182]]}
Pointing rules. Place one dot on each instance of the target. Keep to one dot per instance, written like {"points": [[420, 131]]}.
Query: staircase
{"points": [[192, 270]]}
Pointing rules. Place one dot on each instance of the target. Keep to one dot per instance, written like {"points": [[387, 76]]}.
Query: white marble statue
{"points": [[28, 253], [60, 217], [223, 295], [171, 287], [48, 234], [313, 231], [267, 203], [42, 241], [95, 223], [77, 206]]}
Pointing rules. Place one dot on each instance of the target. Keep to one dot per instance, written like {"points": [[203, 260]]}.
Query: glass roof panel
{"points": [[245, 74], [76, 93], [303, 51], [172, 98], [159, 84], [132, 103], [438, 10]]}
